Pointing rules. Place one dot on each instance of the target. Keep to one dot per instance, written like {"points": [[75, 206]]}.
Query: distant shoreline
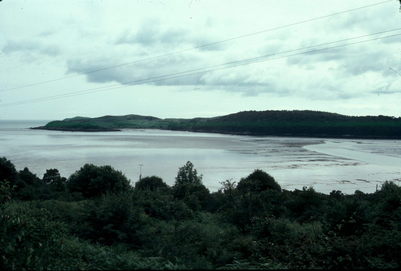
{"points": [[283, 123], [221, 132], [75, 130]]}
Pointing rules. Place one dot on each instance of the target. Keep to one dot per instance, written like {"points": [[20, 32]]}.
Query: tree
{"points": [[54, 180], [92, 181], [6, 191], [152, 183], [27, 178], [29, 186], [258, 181], [51, 176], [256, 193], [188, 187], [228, 187], [7, 171], [229, 190], [112, 219], [188, 175], [20, 184]]}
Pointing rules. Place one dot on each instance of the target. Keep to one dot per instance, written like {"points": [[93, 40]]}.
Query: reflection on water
{"points": [[325, 164]]}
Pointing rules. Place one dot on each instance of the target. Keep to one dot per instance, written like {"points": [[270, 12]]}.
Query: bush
{"points": [[7, 171], [30, 187], [201, 243], [300, 246], [92, 181], [112, 219], [258, 181], [31, 240], [28, 237], [152, 183]]}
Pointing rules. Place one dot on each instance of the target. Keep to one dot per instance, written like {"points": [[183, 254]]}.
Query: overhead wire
{"points": [[201, 46], [384, 85], [231, 64], [395, 71]]}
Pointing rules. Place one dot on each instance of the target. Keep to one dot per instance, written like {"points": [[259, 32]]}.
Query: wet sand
{"points": [[325, 164]]}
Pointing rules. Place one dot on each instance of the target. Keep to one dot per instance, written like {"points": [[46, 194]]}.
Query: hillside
{"points": [[268, 123]]}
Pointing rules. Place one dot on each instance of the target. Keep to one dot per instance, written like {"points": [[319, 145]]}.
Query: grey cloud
{"points": [[152, 33], [327, 53], [346, 95], [249, 89], [319, 93], [245, 80], [350, 21], [330, 92], [242, 81], [353, 60], [369, 20], [29, 47], [274, 46], [163, 73], [208, 45], [394, 39], [173, 36], [46, 33], [315, 55], [367, 61], [386, 92], [157, 72], [389, 88]]}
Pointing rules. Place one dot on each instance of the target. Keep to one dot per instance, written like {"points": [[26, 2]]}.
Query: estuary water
{"points": [[324, 164]]}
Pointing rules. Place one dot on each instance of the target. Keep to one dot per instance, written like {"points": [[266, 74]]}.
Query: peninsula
{"points": [[296, 123]]}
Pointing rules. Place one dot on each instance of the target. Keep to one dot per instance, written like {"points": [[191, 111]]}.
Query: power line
{"points": [[231, 64], [396, 71], [203, 46], [381, 89], [186, 73]]}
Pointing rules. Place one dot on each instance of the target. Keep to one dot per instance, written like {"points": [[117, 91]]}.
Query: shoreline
{"points": [[323, 136], [293, 172], [75, 130]]}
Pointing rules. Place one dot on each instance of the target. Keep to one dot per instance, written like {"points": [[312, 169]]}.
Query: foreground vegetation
{"points": [[96, 220], [274, 123]]}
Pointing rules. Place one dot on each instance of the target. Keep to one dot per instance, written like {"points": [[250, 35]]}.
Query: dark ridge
{"points": [[295, 123]]}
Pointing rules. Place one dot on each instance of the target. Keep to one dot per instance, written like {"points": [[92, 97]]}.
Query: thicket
{"points": [[96, 220]]}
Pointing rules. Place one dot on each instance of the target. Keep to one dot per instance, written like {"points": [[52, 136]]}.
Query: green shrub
{"points": [[152, 183], [258, 181], [93, 181]]}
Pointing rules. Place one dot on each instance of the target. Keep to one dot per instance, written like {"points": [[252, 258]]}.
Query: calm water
{"points": [[325, 164]]}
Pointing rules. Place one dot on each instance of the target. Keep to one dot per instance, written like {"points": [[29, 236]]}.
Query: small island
{"points": [[296, 123]]}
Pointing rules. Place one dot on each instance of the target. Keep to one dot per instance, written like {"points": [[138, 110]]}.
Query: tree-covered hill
{"points": [[271, 122], [105, 123]]}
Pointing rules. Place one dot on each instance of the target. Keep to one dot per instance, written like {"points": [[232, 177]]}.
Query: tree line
{"points": [[95, 219], [298, 123]]}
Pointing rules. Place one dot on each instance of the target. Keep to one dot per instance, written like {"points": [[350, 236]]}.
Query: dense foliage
{"points": [[278, 123], [93, 181], [96, 220]]}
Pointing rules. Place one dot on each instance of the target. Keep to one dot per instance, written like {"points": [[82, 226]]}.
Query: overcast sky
{"points": [[151, 58]]}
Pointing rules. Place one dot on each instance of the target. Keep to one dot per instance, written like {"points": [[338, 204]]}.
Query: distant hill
{"points": [[295, 123]]}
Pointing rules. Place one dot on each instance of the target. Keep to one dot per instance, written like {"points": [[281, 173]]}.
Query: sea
{"points": [[326, 164]]}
